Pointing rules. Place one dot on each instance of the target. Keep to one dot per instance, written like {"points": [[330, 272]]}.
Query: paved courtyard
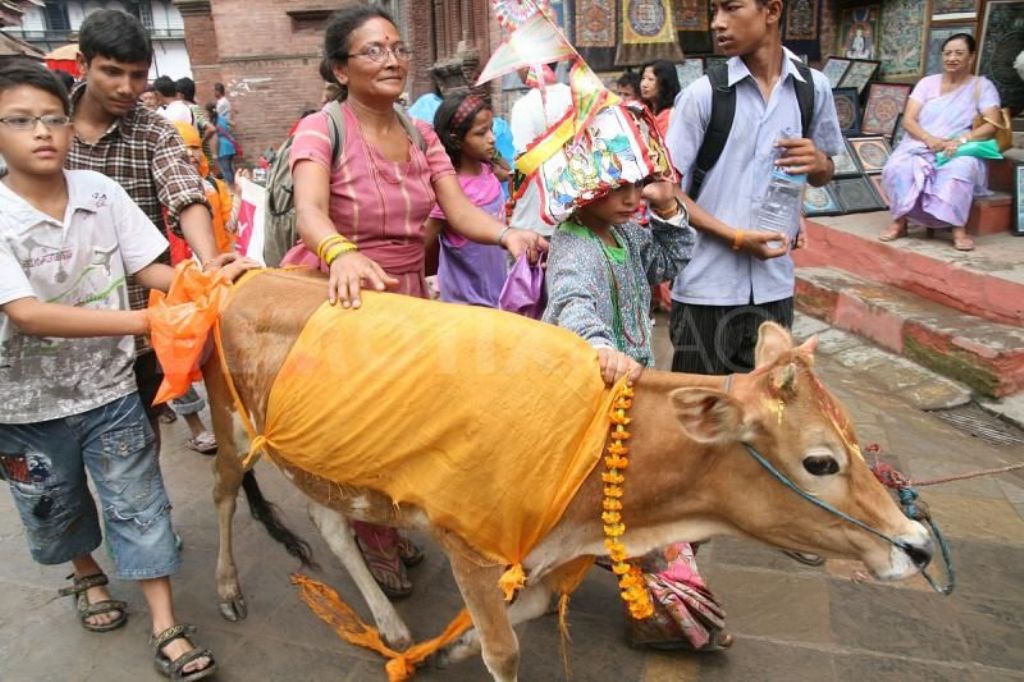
{"points": [[791, 622]]}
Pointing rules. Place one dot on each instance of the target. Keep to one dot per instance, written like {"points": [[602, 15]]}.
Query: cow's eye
{"points": [[820, 465]]}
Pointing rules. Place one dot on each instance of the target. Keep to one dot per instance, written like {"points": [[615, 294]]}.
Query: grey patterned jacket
{"points": [[602, 293]]}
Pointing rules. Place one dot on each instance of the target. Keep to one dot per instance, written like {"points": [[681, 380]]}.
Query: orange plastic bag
{"points": [[180, 322]]}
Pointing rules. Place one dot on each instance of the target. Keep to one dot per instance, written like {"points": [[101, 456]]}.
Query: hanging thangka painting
{"points": [[691, 15], [902, 38], [858, 33], [648, 32], [801, 20], [595, 23], [1002, 40]]}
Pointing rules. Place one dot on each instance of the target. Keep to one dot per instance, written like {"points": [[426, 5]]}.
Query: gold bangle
{"points": [[328, 242], [339, 250]]}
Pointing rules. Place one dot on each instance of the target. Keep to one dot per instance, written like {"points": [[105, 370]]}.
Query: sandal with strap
{"points": [[175, 670], [387, 568], [410, 553], [86, 609]]}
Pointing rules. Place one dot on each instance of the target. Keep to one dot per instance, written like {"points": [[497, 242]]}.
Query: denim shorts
{"points": [[45, 465]]}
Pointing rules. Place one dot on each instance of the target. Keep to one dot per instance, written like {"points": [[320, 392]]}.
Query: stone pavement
{"points": [[792, 623]]}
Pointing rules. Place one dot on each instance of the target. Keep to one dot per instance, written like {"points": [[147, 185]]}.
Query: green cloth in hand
{"points": [[985, 149]]}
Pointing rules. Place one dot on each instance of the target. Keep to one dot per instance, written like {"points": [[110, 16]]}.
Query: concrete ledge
{"points": [[987, 282], [987, 356]]}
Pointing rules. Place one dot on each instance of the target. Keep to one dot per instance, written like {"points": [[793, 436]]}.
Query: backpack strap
{"points": [[336, 129], [412, 131], [804, 96], [723, 111]]}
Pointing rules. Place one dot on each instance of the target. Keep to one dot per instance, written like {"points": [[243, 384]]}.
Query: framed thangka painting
{"points": [[872, 152], [689, 70], [1018, 199], [954, 10], [886, 102], [858, 32], [846, 163], [876, 182], [899, 133], [857, 195], [1002, 39], [834, 69], [859, 75], [902, 38], [938, 35], [821, 201], [847, 103], [801, 20]]}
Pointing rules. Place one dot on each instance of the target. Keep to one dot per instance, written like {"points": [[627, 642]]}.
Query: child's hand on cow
{"points": [[349, 273], [231, 265], [615, 365]]}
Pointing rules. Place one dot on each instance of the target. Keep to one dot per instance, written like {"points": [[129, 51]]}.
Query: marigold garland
{"points": [[631, 582]]}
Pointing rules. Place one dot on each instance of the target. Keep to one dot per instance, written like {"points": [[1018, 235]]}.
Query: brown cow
{"points": [[688, 458]]}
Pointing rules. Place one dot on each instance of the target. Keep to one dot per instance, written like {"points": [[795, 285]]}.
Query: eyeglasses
{"points": [[379, 53], [51, 121]]}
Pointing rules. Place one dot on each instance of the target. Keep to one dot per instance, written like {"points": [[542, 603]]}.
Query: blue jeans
{"points": [[190, 403], [45, 466], [227, 168]]}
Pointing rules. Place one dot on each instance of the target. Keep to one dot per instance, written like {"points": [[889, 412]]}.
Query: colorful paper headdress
{"points": [[600, 143]]}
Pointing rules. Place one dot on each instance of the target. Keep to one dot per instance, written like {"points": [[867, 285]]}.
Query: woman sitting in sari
{"points": [[938, 118]]}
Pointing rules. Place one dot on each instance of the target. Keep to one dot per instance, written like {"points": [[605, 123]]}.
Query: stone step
{"points": [[987, 356], [987, 282]]}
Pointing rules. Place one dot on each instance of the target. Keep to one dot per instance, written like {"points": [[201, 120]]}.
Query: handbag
{"points": [[1004, 130], [524, 292]]}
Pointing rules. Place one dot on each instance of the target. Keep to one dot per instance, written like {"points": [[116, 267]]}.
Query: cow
{"points": [[689, 458]]}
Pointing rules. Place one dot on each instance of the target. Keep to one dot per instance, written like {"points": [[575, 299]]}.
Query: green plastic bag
{"points": [[986, 149]]}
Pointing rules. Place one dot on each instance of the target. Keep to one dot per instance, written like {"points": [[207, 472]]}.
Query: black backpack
{"points": [[723, 111]]}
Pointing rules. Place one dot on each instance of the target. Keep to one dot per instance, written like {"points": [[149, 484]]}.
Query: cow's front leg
{"points": [[336, 532], [478, 583], [532, 602]]}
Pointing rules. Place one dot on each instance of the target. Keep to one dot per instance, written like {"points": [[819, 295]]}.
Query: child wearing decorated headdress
{"points": [[602, 263], [468, 272], [601, 267]]}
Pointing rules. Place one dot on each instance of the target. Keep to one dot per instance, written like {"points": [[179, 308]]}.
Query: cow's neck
{"points": [[663, 500]]}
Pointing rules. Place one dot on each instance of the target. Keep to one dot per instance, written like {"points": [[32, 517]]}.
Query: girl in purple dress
{"points": [[468, 272], [938, 118]]}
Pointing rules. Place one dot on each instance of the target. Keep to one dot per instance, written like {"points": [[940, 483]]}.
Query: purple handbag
{"points": [[524, 292]]}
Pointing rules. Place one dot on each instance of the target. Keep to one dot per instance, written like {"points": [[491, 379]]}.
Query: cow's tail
{"points": [[266, 513]]}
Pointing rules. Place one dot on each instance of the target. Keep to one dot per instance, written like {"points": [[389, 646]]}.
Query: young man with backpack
{"points": [[725, 138]]}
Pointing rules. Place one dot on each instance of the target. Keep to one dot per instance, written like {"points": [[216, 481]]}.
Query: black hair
{"points": [[972, 45], [451, 138], [630, 79], [115, 35], [337, 37], [219, 87], [668, 84], [211, 111], [21, 73], [164, 86], [186, 87]]}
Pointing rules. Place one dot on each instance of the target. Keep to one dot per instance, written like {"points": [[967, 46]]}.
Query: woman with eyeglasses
{"points": [[361, 216]]}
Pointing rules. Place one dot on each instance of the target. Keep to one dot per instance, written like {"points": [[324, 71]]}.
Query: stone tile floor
{"points": [[792, 623]]}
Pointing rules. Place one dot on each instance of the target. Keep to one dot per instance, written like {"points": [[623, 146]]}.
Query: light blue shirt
{"points": [[734, 188]]}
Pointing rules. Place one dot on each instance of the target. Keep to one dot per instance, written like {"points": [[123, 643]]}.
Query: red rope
{"points": [[891, 477]]}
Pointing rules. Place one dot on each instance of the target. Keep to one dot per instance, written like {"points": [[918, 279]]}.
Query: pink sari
{"points": [[924, 194]]}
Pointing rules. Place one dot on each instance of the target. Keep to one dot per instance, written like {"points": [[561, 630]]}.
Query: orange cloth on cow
{"points": [[487, 421]]}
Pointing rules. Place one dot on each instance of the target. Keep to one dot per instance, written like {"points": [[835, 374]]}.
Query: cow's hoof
{"points": [[441, 659], [399, 642], [234, 610]]}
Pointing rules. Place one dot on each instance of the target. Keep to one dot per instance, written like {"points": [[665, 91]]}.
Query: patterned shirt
{"points": [[602, 293], [145, 155], [81, 261]]}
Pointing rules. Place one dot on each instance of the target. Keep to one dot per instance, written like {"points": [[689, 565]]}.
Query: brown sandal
{"points": [[893, 233], [175, 670], [963, 244]]}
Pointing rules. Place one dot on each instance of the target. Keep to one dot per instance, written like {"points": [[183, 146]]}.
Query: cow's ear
{"points": [[808, 348], [772, 341], [708, 416]]}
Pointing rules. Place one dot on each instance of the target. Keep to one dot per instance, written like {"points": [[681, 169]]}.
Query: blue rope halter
{"points": [[908, 500]]}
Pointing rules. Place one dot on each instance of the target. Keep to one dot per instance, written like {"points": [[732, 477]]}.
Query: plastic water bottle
{"points": [[780, 208]]}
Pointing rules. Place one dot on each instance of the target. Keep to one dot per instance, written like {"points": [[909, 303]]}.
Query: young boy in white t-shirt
{"points": [[68, 241]]}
